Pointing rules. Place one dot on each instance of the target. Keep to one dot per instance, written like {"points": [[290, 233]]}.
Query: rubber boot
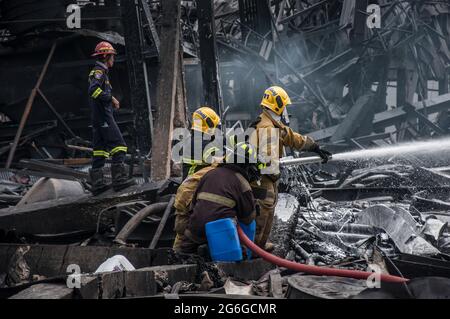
{"points": [[98, 182], [120, 178]]}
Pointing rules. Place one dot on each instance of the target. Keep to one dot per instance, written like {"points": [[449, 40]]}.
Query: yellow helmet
{"points": [[275, 98], [205, 120]]}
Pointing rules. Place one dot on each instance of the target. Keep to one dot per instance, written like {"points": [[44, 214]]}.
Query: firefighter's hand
{"points": [[116, 103], [324, 154]]}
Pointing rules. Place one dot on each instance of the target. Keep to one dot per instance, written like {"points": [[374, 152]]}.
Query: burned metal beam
{"points": [[392, 117], [256, 15], [57, 115], [212, 94], [162, 223], [424, 119], [30, 135], [331, 64], [28, 107], [137, 75], [355, 116], [53, 169], [149, 26], [299, 13]]}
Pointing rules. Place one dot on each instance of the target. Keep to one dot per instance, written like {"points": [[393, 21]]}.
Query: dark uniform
{"points": [[223, 192], [107, 138]]}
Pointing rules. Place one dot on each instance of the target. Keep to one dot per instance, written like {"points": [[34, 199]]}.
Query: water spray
{"points": [[417, 148]]}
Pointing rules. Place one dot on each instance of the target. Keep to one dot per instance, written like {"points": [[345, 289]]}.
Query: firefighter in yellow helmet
{"points": [[269, 122], [200, 149]]}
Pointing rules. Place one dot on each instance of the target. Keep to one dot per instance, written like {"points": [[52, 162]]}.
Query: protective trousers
{"points": [[108, 141], [181, 223], [267, 205]]}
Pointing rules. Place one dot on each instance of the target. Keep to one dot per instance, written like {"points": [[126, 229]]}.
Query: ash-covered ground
{"points": [[357, 214]]}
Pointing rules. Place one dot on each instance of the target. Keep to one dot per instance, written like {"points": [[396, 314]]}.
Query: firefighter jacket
{"points": [[183, 198], [223, 192], [100, 95], [265, 136], [199, 151]]}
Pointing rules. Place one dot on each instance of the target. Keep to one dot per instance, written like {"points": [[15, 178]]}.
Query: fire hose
{"points": [[315, 270]]}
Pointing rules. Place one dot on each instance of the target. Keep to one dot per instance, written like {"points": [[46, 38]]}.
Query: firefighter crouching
{"points": [[273, 107], [223, 192], [107, 138], [205, 123], [183, 201]]}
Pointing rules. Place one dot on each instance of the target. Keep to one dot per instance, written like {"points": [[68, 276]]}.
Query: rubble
{"points": [[356, 232], [346, 234], [305, 287], [391, 231]]}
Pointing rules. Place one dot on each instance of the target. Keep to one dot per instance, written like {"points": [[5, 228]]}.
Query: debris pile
{"points": [[392, 215]]}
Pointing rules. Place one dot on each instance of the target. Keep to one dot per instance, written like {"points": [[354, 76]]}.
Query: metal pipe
{"points": [[302, 160], [347, 228], [134, 222], [80, 148], [58, 116], [162, 223], [347, 237]]}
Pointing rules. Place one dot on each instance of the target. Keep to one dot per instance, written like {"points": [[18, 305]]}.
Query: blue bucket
{"points": [[223, 240]]}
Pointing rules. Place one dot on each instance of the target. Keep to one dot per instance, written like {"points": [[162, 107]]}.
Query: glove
{"points": [[253, 173], [324, 154]]}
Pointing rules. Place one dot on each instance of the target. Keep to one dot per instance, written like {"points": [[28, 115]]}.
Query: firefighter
{"points": [[273, 107], [183, 200], [200, 148], [107, 138], [223, 192]]}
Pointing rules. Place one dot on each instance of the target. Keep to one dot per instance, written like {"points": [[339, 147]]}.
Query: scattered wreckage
{"points": [[391, 219]]}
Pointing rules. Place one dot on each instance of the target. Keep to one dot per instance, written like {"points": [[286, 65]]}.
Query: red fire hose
{"points": [[315, 270]]}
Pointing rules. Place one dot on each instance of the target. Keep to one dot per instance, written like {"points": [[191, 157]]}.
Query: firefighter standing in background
{"points": [[199, 148], [107, 138], [273, 106]]}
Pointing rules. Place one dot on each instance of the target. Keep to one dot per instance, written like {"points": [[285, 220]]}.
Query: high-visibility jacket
{"points": [[100, 95], [107, 139], [285, 136], [198, 152], [223, 192], [184, 196]]}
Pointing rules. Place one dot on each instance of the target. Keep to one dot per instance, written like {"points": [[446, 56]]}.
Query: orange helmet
{"points": [[104, 48]]}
